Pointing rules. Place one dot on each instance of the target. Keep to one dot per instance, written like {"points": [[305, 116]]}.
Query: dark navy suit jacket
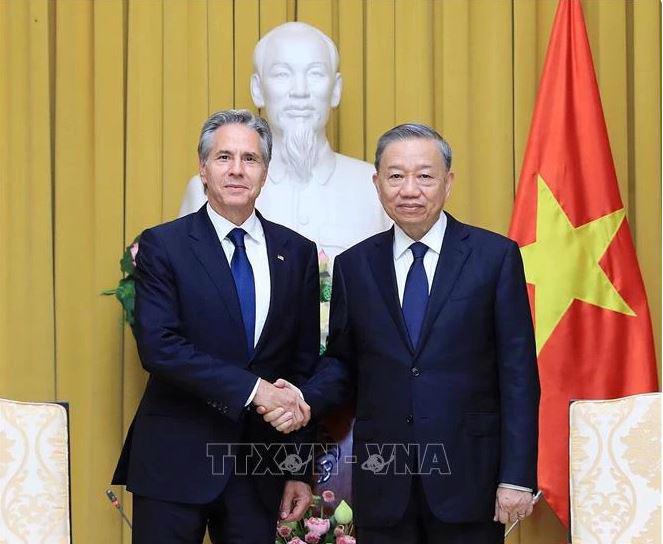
{"points": [[469, 392], [191, 340]]}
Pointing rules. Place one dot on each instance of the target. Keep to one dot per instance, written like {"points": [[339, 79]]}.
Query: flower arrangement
{"points": [[125, 291], [336, 529]]}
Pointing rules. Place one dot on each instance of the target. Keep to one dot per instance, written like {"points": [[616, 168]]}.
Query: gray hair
{"points": [[293, 27], [235, 117], [411, 131]]}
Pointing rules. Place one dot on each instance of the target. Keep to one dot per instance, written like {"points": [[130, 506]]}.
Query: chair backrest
{"points": [[615, 470], [34, 473]]}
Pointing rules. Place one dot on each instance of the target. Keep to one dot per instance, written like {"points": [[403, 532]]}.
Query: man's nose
{"points": [[236, 167], [299, 87], [410, 187]]}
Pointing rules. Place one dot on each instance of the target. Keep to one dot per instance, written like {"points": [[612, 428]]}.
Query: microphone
{"points": [[116, 503]]}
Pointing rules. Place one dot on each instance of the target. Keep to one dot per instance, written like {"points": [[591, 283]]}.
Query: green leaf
{"points": [[325, 290], [126, 294], [125, 291], [126, 263]]}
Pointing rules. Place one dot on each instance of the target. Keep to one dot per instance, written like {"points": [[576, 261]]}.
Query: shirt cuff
{"points": [[253, 393], [255, 390], [515, 487]]}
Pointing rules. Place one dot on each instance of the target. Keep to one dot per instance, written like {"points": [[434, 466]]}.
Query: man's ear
{"points": [[337, 90], [203, 175], [256, 91], [450, 183]]}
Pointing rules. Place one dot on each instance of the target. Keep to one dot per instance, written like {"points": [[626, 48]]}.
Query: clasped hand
{"points": [[281, 405]]}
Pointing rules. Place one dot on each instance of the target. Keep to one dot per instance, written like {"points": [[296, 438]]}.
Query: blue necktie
{"points": [[415, 296], [245, 285]]}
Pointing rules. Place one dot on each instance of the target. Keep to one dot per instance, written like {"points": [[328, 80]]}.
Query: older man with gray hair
{"points": [[226, 303], [430, 329]]}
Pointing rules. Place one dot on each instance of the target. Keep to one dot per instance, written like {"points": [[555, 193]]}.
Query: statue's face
{"points": [[297, 82]]}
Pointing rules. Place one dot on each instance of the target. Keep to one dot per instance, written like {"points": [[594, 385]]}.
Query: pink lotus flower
{"points": [[346, 539], [323, 261], [134, 251], [339, 531], [284, 531], [312, 538], [328, 495], [317, 526]]}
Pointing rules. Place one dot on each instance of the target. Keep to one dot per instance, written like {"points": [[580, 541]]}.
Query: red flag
{"points": [[593, 330]]}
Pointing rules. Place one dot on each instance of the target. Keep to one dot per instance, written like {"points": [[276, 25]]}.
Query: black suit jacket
{"points": [[466, 399], [191, 340]]}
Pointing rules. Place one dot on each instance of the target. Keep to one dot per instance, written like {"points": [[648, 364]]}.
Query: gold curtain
{"points": [[101, 104]]}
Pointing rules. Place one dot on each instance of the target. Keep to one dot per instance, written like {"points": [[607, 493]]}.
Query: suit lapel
{"points": [[279, 267], [382, 266], [453, 255], [207, 248]]}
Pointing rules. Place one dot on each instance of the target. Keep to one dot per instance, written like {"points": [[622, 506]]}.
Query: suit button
{"points": [[409, 420], [224, 410], [415, 371]]}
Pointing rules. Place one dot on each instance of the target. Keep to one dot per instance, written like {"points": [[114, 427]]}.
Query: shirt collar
{"points": [[433, 238], [222, 226]]}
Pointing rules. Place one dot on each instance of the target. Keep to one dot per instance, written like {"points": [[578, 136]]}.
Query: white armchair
{"points": [[615, 470], [34, 473]]}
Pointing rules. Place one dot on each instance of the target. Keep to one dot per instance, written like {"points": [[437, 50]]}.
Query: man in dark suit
{"points": [[226, 302], [430, 326]]}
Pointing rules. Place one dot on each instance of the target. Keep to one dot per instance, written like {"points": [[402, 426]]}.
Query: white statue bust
{"points": [[325, 196]]}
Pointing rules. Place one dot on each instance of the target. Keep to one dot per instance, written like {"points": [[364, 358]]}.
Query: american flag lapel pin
{"points": [[280, 257]]}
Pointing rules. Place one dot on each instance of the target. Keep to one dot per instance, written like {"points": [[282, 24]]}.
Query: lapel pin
{"points": [[280, 257]]}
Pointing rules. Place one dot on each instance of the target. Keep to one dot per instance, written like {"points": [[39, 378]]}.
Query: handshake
{"points": [[282, 405]]}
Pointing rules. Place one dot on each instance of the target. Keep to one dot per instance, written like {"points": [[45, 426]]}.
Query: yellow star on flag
{"points": [[563, 264]]}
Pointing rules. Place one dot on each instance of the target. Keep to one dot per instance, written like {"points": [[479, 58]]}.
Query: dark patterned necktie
{"points": [[415, 295]]}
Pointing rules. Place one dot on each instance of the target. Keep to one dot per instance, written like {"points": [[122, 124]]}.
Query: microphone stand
{"points": [[116, 503]]}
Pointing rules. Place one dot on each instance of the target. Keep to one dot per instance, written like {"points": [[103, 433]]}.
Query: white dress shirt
{"points": [[403, 257], [256, 251], [403, 260]]}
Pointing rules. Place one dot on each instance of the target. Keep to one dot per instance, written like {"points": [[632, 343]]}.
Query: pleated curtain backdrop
{"points": [[101, 104]]}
